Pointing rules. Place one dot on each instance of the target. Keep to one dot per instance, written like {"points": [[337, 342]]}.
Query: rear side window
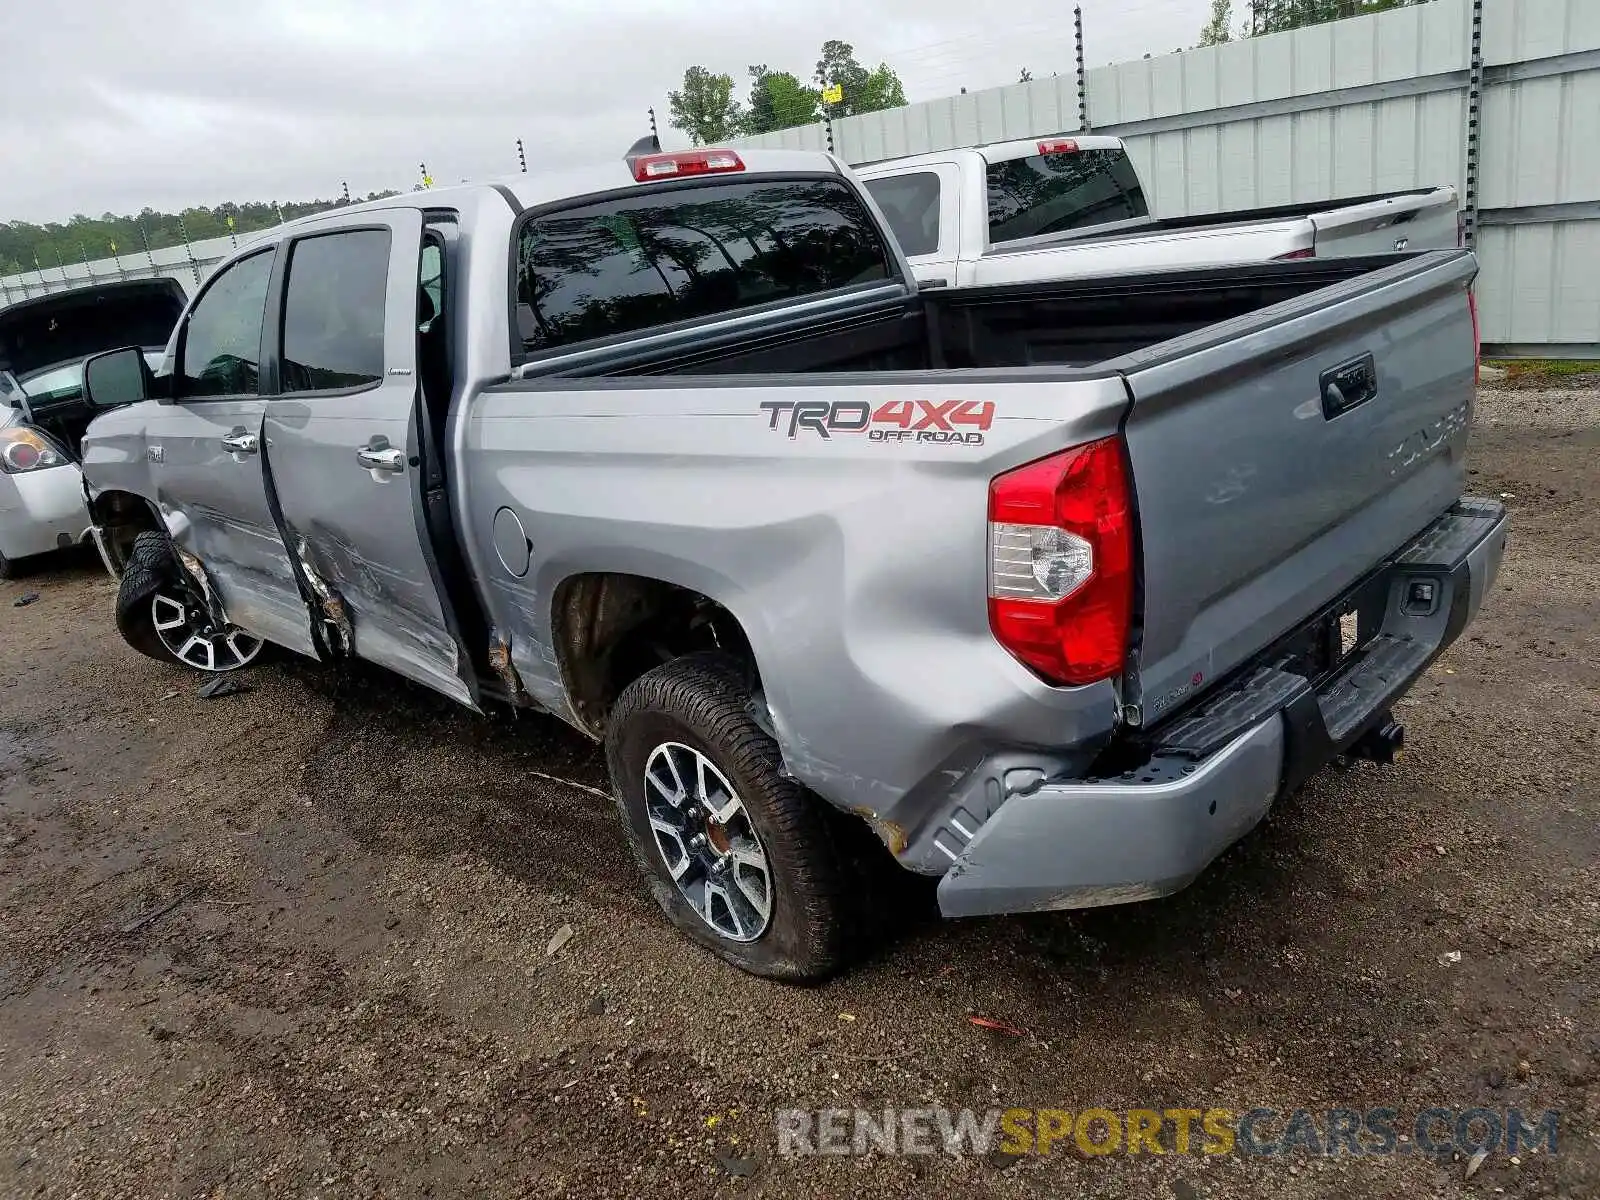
{"points": [[333, 311], [1053, 193], [629, 264], [910, 204]]}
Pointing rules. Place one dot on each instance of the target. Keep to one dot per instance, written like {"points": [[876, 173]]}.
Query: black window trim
{"points": [[520, 357], [181, 350], [282, 299]]}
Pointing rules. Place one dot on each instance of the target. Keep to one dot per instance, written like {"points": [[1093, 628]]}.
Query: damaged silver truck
{"points": [[1054, 587]]}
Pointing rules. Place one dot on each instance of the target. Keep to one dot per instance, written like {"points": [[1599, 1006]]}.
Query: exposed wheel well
{"points": [[122, 516], [611, 628]]}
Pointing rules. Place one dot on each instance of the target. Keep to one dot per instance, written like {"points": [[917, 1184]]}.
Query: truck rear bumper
{"points": [[1213, 772]]}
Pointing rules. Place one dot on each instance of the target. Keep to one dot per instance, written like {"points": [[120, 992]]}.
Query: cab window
{"points": [[221, 353], [910, 204], [656, 258], [333, 311]]}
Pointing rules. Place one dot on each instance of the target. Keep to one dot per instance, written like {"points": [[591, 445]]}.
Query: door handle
{"points": [[384, 459], [241, 443]]}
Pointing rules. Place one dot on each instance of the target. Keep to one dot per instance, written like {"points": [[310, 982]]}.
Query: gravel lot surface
{"points": [[294, 942]]}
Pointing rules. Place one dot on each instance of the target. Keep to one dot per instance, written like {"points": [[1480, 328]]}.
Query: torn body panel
{"points": [[505, 670], [330, 605]]}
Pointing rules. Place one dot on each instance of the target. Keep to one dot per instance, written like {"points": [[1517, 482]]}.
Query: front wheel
{"points": [[159, 615], [742, 859]]}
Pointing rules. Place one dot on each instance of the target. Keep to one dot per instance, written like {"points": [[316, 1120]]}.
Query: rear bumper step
{"points": [[1214, 772]]}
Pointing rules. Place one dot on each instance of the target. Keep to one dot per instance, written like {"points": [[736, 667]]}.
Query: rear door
{"points": [[346, 443], [205, 457], [1280, 456], [922, 206]]}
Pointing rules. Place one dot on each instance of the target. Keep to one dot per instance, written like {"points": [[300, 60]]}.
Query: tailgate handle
{"points": [[1349, 385]]}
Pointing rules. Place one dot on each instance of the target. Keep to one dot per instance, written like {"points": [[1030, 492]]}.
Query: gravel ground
{"points": [[294, 942]]}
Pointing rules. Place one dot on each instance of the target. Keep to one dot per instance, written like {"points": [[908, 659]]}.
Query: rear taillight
{"points": [[1293, 254], [686, 162], [1058, 146], [1477, 337], [1061, 563]]}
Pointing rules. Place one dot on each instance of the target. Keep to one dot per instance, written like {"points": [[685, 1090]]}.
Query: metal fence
{"points": [[1377, 103], [189, 265], [1350, 108]]}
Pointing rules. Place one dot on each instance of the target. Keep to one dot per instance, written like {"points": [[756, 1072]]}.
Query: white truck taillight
{"points": [[1061, 563]]}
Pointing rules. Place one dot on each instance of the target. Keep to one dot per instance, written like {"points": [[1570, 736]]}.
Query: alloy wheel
{"points": [[186, 629], [706, 840]]}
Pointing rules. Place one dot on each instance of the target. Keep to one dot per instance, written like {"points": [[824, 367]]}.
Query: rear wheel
{"points": [[743, 860], [160, 616], [7, 567]]}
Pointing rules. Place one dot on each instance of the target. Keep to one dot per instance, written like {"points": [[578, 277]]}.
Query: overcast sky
{"points": [[111, 105]]}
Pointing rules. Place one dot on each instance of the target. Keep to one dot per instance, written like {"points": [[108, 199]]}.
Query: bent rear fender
{"points": [[857, 565]]}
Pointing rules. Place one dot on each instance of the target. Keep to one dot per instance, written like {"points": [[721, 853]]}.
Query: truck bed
{"points": [[1075, 323], [1287, 427]]}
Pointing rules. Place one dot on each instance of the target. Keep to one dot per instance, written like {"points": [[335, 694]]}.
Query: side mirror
{"points": [[116, 378]]}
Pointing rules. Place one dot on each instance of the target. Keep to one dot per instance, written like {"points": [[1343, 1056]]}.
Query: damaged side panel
{"points": [[330, 605], [215, 504]]}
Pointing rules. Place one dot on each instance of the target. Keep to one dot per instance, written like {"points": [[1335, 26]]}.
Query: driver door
{"points": [[205, 454], [348, 444]]}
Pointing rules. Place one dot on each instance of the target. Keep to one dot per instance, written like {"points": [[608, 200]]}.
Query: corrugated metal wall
{"points": [[1367, 105]]}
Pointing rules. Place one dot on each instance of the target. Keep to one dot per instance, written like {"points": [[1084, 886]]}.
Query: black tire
{"points": [[8, 569], [150, 566], [702, 702]]}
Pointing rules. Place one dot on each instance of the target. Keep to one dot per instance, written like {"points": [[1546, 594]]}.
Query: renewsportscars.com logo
{"points": [[957, 422], [1094, 1132]]}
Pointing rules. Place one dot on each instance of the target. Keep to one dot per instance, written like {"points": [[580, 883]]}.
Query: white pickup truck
{"points": [[1073, 207]]}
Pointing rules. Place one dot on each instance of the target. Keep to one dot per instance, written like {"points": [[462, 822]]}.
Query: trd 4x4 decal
{"points": [[962, 422]]}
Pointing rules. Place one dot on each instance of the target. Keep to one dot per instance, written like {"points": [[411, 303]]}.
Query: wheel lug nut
{"points": [[697, 842]]}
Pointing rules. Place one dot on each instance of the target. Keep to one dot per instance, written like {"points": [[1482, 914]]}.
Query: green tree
{"points": [[1276, 16], [882, 90], [778, 100], [706, 109], [21, 242], [864, 91], [1217, 30]]}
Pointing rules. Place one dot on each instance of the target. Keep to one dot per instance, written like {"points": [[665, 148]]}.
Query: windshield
{"points": [[66, 383], [1053, 193]]}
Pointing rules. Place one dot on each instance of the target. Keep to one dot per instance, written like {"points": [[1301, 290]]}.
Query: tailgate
{"points": [[1412, 222], [1280, 456]]}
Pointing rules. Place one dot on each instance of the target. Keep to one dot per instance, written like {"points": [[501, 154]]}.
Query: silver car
{"points": [[43, 345]]}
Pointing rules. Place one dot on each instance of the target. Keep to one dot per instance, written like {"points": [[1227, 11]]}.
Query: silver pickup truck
{"points": [[1054, 588], [1074, 207]]}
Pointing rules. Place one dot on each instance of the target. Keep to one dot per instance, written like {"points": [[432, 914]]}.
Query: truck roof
{"points": [[548, 187], [995, 152]]}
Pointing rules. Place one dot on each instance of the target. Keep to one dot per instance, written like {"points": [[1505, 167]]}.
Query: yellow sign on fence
{"points": [[833, 95]]}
